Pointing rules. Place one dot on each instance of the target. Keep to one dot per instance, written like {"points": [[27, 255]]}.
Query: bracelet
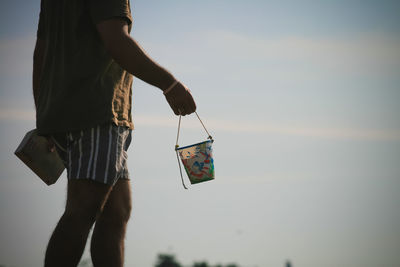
{"points": [[170, 88]]}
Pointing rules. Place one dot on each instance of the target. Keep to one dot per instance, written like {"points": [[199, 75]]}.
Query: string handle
{"points": [[209, 135], [177, 146], [179, 127], [176, 151]]}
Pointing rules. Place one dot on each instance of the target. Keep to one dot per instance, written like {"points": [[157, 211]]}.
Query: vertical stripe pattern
{"points": [[108, 153], [80, 156], [69, 156], [97, 153], [91, 152], [118, 151]]}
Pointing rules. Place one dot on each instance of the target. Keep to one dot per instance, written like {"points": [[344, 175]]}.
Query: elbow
{"points": [[115, 44], [113, 33]]}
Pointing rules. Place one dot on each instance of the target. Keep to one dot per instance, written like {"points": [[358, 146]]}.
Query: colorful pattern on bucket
{"points": [[198, 162]]}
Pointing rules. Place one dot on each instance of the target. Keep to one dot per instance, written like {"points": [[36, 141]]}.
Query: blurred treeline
{"points": [[167, 260], [164, 260]]}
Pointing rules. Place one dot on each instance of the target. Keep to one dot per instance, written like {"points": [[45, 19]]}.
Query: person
{"points": [[84, 63]]}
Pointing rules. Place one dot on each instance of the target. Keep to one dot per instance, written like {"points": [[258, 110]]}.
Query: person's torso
{"points": [[80, 85]]}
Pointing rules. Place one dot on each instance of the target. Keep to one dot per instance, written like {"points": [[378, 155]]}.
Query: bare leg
{"points": [[107, 246], [85, 200]]}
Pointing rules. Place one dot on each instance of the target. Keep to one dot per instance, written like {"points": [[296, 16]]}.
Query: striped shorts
{"points": [[98, 153]]}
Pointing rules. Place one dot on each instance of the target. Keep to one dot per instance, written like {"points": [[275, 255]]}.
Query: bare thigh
{"points": [[119, 203], [86, 198]]}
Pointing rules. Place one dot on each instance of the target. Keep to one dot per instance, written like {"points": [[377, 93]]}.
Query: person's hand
{"points": [[181, 100]]}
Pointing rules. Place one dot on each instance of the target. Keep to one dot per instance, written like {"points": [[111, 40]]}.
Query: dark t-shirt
{"points": [[80, 85]]}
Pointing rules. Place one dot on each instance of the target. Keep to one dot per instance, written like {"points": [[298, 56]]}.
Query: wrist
{"points": [[166, 82], [171, 87]]}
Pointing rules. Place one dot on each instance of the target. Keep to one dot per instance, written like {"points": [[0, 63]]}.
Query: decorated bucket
{"points": [[198, 161]]}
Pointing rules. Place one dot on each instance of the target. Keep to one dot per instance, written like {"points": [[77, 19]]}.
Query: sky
{"points": [[302, 99]]}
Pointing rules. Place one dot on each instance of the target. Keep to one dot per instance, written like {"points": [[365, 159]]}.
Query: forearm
{"points": [[37, 68], [127, 52], [130, 56]]}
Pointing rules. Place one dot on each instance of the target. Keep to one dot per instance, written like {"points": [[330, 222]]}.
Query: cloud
{"points": [[239, 56], [17, 115], [264, 127], [16, 55], [372, 50]]}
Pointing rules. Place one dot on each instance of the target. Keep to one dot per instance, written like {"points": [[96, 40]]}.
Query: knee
{"points": [[83, 214], [126, 212], [117, 214], [123, 212]]}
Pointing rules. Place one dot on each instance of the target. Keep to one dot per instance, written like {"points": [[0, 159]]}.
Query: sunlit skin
{"points": [[89, 202], [128, 53]]}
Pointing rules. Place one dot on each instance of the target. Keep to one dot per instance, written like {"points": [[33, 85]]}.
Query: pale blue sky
{"points": [[302, 100]]}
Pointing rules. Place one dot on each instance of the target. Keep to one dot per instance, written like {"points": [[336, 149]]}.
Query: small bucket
{"points": [[198, 161]]}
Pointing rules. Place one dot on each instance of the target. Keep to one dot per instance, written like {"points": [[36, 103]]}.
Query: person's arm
{"points": [[37, 67], [130, 56]]}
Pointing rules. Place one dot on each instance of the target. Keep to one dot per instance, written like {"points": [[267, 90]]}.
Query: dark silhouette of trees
{"points": [[166, 260], [201, 264], [205, 264]]}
